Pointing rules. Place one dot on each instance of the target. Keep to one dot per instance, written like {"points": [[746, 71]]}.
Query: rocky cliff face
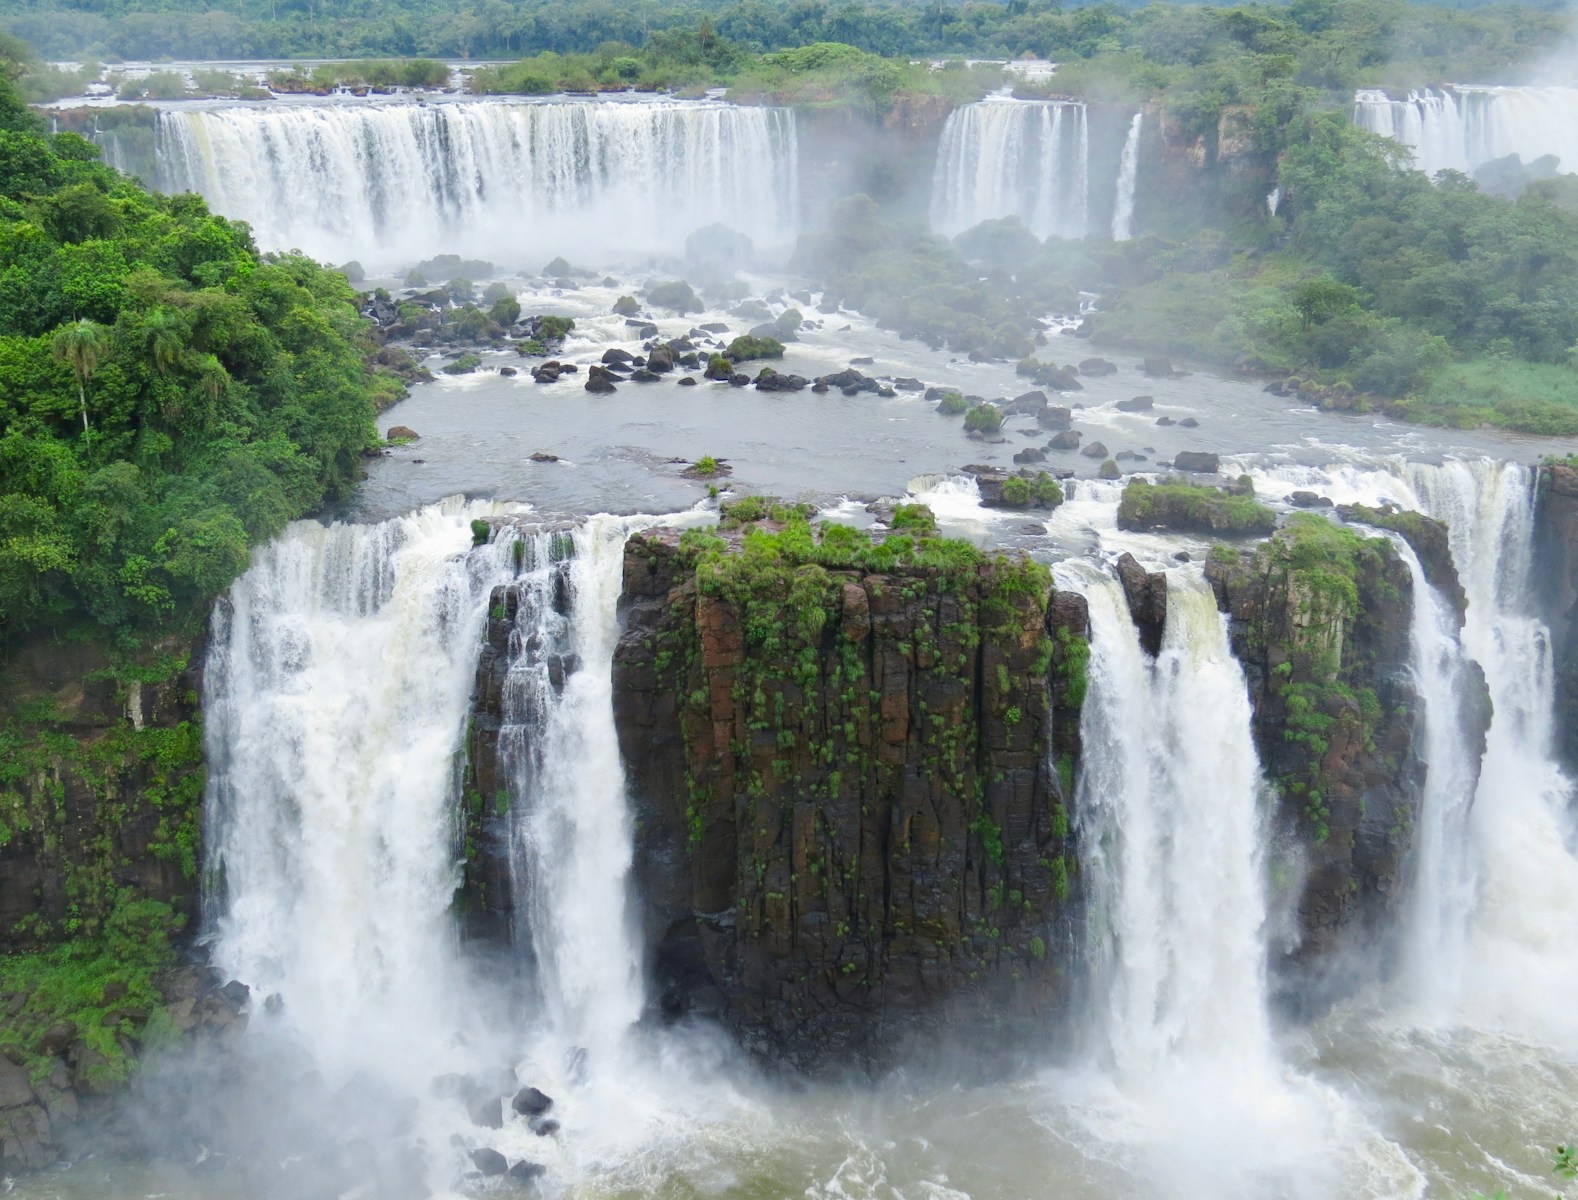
{"points": [[101, 782], [851, 826], [1320, 619], [1556, 584]]}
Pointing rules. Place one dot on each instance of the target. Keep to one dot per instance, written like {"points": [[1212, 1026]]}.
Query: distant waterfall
{"points": [[500, 179], [1169, 798], [1128, 175], [1462, 128], [336, 694], [1014, 158]]}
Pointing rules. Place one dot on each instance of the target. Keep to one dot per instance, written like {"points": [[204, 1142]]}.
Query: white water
{"points": [[1013, 158], [1128, 176], [335, 702], [1169, 802], [1520, 951], [1462, 128], [521, 182], [1442, 901], [571, 859]]}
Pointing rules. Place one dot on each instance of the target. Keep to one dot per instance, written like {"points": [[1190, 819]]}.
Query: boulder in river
{"points": [[531, 1102], [1200, 461], [402, 433], [489, 1162], [1094, 450], [1096, 367], [1068, 439], [1138, 404]]}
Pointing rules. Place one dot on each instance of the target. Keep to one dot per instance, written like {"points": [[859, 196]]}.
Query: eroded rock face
{"points": [[851, 829], [1556, 586], [1320, 617]]}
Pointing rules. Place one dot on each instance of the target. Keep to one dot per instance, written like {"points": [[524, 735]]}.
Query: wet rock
{"points": [[1029, 404], [1189, 423], [660, 359], [1146, 594], [1200, 461], [530, 1102], [14, 1086], [601, 384], [1157, 366], [1094, 450], [1030, 454], [1165, 421], [1302, 499], [489, 1162], [543, 1126], [402, 433], [1138, 404], [615, 355], [627, 306], [645, 376], [1097, 367], [507, 371], [488, 1112], [772, 381], [543, 456], [527, 1172], [739, 379], [1067, 440], [687, 381], [1054, 417], [905, 384], [714, 327]]}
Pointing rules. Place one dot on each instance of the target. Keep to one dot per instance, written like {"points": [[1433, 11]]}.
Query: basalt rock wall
{"points": [[850, 823]]}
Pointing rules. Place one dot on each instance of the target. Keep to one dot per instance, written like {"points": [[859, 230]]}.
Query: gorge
{"points": [[698, 788]]}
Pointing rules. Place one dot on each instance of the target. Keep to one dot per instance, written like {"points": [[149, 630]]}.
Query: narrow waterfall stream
{"points": [[1169, 798], [1128, 178], [1443, 880]]}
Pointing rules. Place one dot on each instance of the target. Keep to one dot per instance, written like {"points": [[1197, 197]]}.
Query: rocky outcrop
{"points": [[101, 788], [1320, 619], [1555, 570], [852, 828]]}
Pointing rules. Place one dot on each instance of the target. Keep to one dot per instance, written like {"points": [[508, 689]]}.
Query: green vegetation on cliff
{"points": [[1190, 508]]}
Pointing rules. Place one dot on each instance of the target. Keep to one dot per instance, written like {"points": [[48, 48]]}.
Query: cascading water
{"points": [[1442, 901], [400, 181], [572, 827], [1013, 158], [1524, 937], [336, 695], [1128, 176], [1169, 798], [1462, 128]]}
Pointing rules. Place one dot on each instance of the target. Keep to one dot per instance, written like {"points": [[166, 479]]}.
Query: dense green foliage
{"points": [[1186, 507], [104, 985], [170, 396], [1343, 41]]}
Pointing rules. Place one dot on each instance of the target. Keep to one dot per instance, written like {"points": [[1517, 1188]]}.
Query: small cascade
{"points": [[1463, 128], [400, 181], [1128, 175], [572, 842], [336, 695], [1442, 902], [1170, 805], [1014, 158]]}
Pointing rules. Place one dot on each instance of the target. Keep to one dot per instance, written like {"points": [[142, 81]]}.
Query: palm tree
{"points": [[164, 338], [82, 344]]}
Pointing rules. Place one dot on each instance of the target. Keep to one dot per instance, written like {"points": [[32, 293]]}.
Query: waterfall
{"points": [[336, 694], [1170, 805], [1442, 901], [1013, 158], [1524, 938], [1128, 173], [572, 850], [1462, 128], [396, 182]]}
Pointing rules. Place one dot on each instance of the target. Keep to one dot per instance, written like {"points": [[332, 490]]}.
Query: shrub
{"points": [[983, 418]]}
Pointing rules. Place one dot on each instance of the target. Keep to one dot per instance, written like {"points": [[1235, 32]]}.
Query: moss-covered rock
{"points": [[1189, 508], [852, 827]]}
